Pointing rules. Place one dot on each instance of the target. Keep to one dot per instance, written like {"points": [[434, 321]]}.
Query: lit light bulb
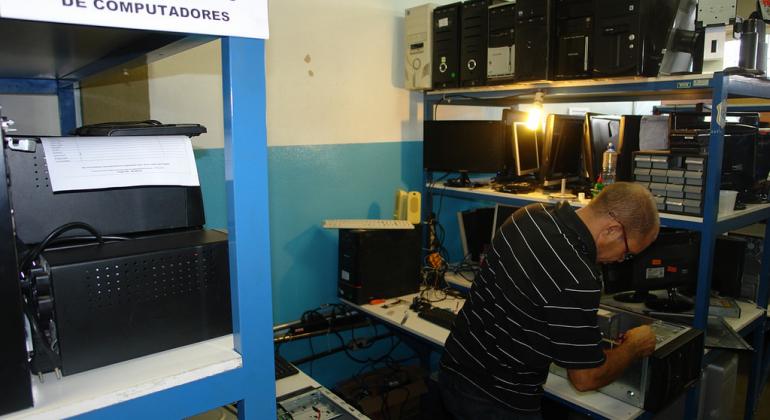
{"points": [[534, 117], [536, 113]]}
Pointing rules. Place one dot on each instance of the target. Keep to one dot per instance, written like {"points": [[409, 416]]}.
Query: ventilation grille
{"points": [[41, 173], [150, 279]]}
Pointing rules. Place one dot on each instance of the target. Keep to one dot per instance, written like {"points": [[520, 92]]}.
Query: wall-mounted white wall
{"points": [[187, 88], [335, 71]]}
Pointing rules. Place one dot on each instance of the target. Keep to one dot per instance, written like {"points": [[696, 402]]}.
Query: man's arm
{"points": [[639, 342]]}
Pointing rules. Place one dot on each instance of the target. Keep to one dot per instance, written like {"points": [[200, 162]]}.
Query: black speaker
{"points": [[446, 46], [533, 39], [379, 264], [473, 42], [630, 36], [574, 36]]}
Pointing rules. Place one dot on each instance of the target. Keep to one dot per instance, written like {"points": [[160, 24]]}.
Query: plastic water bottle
{"points": [[609, 165]]}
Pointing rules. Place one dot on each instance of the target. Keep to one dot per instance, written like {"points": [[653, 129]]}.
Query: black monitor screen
{"points": [[471, 146], [562, 147], [475, 226], [525, 149], [502, 213], [602, 130]]}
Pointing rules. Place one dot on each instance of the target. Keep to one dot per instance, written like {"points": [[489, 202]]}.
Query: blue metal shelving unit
{"points": [[717, 88], [252, 384]]}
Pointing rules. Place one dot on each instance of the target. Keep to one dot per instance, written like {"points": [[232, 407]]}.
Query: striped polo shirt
{"points": [[534, 303]]}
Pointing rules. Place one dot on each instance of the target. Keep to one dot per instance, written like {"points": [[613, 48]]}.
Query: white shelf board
{"points": [[595, 402], [486, 193], [102, 387]]}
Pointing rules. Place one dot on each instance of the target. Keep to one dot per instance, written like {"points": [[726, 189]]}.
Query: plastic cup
{"points": [[727, 201]]}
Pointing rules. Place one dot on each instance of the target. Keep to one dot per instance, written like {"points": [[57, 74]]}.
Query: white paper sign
{"points": [[243, 18], [87, 163]]}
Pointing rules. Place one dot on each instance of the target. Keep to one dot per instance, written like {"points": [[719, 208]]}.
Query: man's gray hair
{"points": [[631, 204]]}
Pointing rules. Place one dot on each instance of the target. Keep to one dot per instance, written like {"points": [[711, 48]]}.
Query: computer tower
{"points": [[628, 144], [473, 42], [378, 263], [446, 46], [574, 36], [419, 46], [630, 36], [125, 299], [533, 39], [502, 43]]}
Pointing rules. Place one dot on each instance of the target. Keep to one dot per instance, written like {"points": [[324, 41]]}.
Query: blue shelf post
{"points": [[243, 83], [754, 388], [65, 91]]}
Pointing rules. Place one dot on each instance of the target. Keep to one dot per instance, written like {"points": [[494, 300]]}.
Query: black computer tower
{"points": [[379, 264], [630, 36], [15, 383], [473, 42], [446, 46], [502, 43], [533, 39], [628, 144], [573, 53], [121, 300]]}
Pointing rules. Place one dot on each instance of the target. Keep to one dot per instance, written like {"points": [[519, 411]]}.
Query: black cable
{"points": [[32, 255]]}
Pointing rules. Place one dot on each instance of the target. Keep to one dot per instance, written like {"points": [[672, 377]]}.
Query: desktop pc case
{"points": [[654, 381], [630, 36], [502, 43], [574, 39], [446, 46], [125, 299], [37, 210], [419, 46], [473, 42], [534, 28], [379, 264]]}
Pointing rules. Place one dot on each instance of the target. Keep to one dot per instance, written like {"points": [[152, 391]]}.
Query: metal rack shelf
{"points": [[39, 57], [716, 88]]}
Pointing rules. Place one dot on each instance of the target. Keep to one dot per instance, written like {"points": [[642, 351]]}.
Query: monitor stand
{"points": [[673, 303], [637, 296], [463, 181]]}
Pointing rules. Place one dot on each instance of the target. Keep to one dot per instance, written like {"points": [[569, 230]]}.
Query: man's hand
{"points": [[640, 340]]}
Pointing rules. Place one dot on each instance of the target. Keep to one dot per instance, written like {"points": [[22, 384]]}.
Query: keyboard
{"points": [[367, 224], [283, 368], [441, 317]]}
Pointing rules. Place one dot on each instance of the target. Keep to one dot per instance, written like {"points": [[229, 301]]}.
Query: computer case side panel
{"points": [[15, 383], [133, 298]]}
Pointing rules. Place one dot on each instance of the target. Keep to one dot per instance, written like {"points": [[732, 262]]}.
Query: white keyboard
{"points": [[367, 224]]}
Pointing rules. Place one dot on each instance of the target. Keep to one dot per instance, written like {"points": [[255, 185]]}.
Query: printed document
{"points": [[87, 163]]}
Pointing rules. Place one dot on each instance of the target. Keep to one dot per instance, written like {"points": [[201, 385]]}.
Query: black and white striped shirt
{"points": [[534, 303]]}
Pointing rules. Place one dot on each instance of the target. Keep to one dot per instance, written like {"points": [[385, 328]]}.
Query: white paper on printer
{"points": [[86, 163]]}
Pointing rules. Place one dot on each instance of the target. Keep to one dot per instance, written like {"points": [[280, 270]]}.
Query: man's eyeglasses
{"points": [[627, 255]]}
